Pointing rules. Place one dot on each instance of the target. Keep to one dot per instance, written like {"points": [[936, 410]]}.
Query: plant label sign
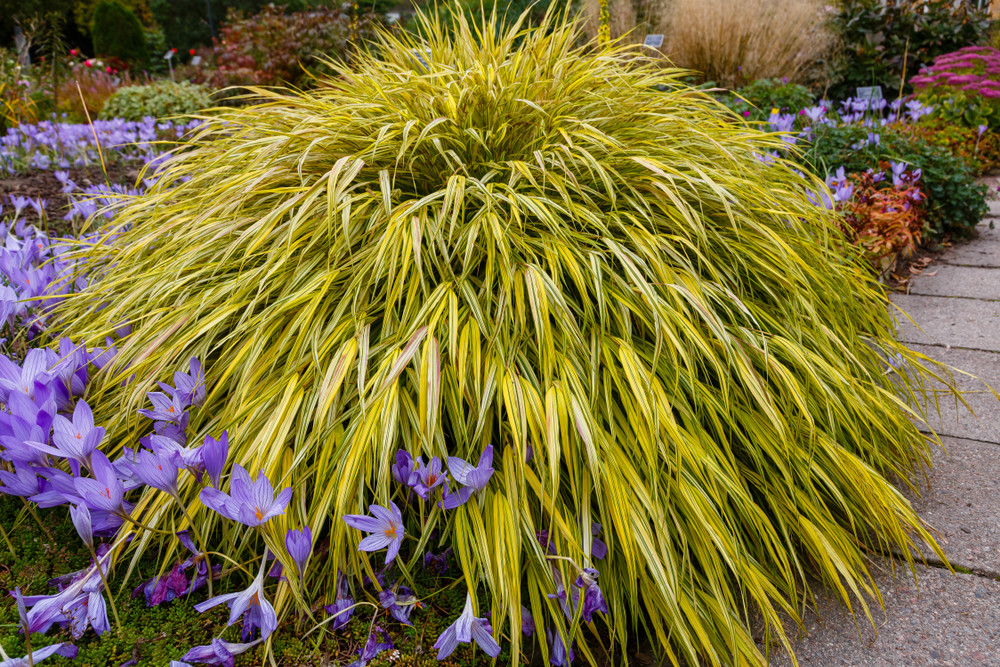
{"points": [[653, 41], [419, 55], [168, 55], [196, 61], [869, 93]]}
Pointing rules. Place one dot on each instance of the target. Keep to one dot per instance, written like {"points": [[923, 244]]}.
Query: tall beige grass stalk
{"points": [[735, 41]]}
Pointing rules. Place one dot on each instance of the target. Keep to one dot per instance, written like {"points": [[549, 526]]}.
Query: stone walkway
{"points": [[942, 618]]}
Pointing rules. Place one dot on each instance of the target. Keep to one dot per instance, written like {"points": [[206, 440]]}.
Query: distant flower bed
{"points": [[55, 145], [964, 86]]}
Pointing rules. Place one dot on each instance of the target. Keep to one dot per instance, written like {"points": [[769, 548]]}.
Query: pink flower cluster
{"points": [[974, 69]]}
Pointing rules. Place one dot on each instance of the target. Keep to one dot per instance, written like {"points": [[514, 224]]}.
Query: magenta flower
{"points": [[386, 529], [252, 503], [465, 629]]}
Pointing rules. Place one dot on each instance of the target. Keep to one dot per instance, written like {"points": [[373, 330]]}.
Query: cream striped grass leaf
{"points": [[527, 245]]}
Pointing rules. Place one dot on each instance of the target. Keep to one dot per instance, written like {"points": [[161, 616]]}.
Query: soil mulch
{"points": [[44, 185]]}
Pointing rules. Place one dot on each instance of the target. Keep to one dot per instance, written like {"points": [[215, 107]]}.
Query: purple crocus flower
{"points": [[527, 622], [429, 477], [560, 654], [343, 607], [439, 561], [22, 482], [299, 545], [252, 503], [405, 468], [159, 472], [473, 478], [466, 628], [165, 408], [372, 647], [79, 605], [83, 524], [214, 454], [399, 603], [64, 649], [105, 491], [598, 548], [258, 611], [981, 130], [191, 386], [219, 652], [386, 528], [593, 599]]}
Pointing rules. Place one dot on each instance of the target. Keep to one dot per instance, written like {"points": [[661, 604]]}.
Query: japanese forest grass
{"points": [[526, 244]]}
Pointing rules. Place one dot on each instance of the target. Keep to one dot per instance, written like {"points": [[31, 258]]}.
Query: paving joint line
{"points": [[945, 346], [953, 296], [956, 437], [936, 563]]}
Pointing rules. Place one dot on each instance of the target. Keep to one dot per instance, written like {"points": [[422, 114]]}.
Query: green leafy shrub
{"points": [[880, 39], [979, 147], [118, 33], [756, 101], [160, 100], [525, 243], [955, 202]]}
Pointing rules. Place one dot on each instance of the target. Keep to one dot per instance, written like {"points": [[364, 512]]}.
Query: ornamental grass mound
{"points": [[510, 240]]}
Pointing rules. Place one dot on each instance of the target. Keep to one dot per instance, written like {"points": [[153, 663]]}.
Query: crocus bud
{"points": [[81, 520]]}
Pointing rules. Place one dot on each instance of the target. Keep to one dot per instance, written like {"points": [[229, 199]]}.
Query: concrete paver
{"points": [[972, 282], [943, 620], [983, 251], [960, 500], [969, 323], [983, 423]]}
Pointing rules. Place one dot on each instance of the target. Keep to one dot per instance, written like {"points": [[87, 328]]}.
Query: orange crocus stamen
{"points": [[258, 513], [391, 531]]}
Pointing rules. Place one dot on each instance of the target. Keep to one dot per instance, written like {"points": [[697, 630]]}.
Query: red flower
{"points": [[87, 62], [173, 50], [72, 52], [191, 52]]}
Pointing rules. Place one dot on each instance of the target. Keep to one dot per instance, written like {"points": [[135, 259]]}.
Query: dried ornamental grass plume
{"points": [[525, 244]]}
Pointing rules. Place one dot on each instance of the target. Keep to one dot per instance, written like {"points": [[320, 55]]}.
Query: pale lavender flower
{"points": [[386, 529], [64, 649], [258, 611], [467, 628], [252, 503], [218, 652]]}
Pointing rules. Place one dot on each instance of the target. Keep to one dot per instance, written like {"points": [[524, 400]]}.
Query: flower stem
{"points": [[107, 588]]}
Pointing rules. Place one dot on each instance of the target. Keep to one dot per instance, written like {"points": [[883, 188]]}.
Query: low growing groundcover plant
{"points": [[506, 299]]}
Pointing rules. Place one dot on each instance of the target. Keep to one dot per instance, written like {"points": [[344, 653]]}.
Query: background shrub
{"points": [[118, 33], [876, 34], [979, 147], [955, 202], [535, 249], [732, 43], [272, 47], [757, 100], [87, 90], [160, 100]]}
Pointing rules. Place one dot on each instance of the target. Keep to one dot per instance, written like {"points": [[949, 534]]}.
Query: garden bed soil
{"points": [[44, 185]]}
